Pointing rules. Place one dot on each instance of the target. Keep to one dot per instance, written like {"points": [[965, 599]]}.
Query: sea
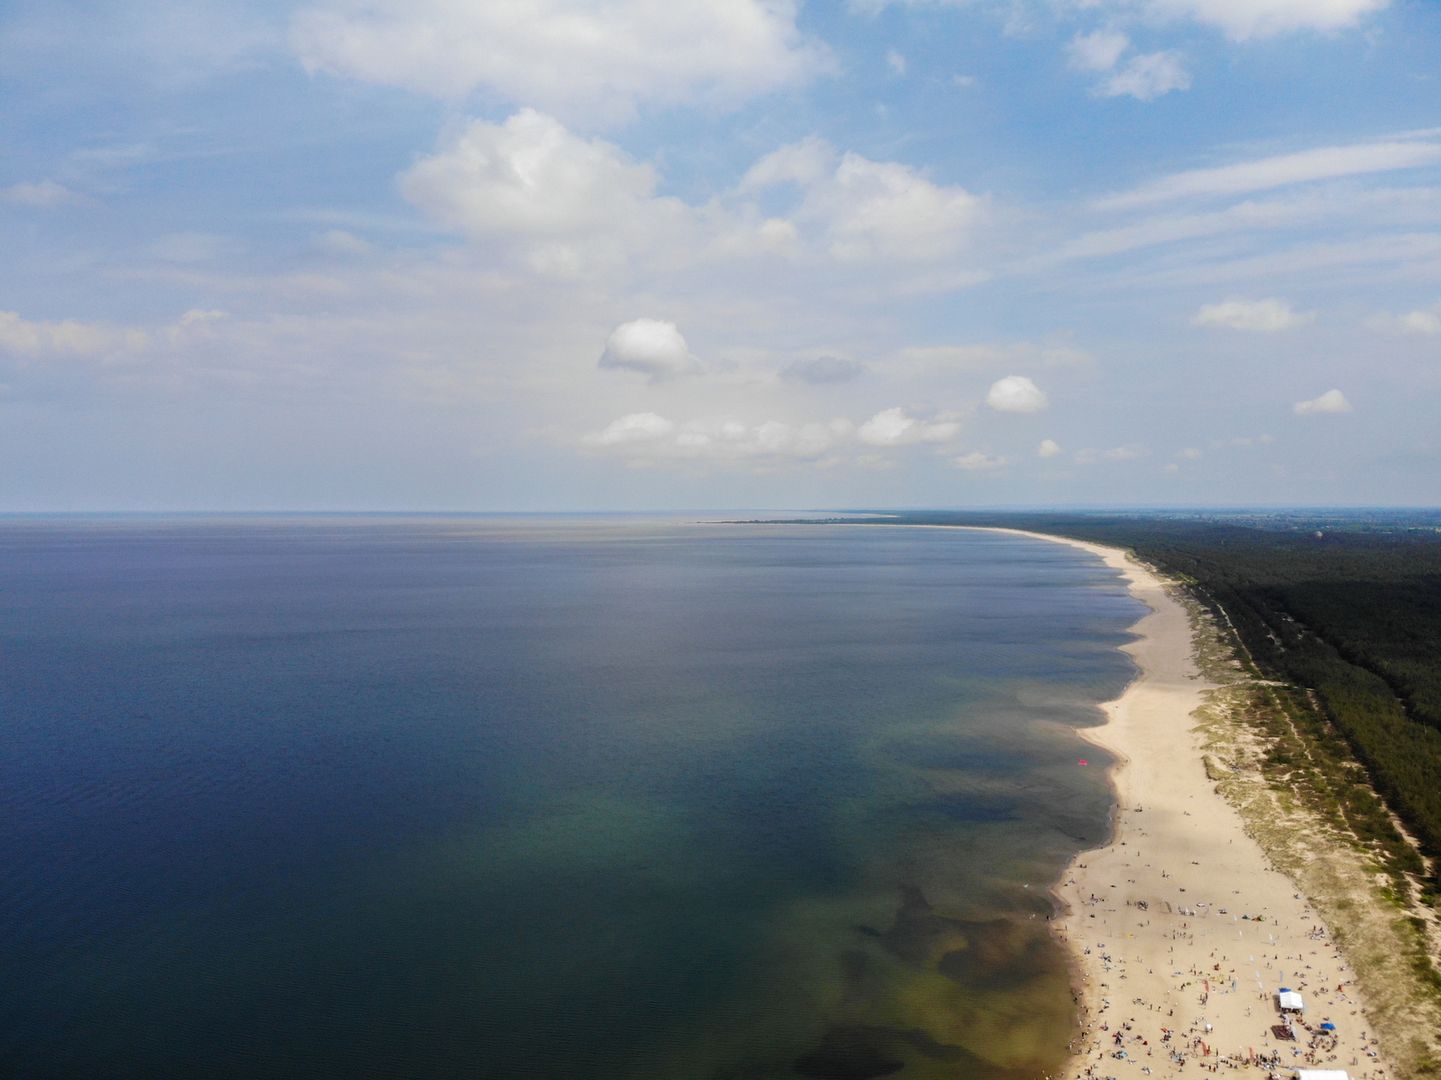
{"points": [[586, 796]]}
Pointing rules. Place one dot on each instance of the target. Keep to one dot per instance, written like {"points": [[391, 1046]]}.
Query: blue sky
{"points": [[544, 254]]}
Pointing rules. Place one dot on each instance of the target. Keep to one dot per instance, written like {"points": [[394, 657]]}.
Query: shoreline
{"points": [[1179, 929]]}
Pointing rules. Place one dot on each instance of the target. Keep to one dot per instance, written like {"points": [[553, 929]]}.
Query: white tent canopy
{"points": [[1289, 999]]}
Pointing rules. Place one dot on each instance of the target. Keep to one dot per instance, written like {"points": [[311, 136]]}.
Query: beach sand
{"points": [[1181, 931]]}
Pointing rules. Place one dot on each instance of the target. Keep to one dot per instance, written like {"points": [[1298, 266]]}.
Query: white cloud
{"points": [[802, 163], [1016, 393], [1048, 448], [1098, 51], [109, 345], [649, 439], [1291, 211], [1129, 452], [1332, 401], [635, 428], [1190, 453], [343, 242], [567, 206], [68, 337], [1147, 77], [195, 325], [895, 427], [1242, 20], [1323, 163], [574, 58], [896, 62], [976, 461], [41, 194], [882, 209], [1421, 322], [1266, 316], [563, 201], [1424, 321], [650, 346]]}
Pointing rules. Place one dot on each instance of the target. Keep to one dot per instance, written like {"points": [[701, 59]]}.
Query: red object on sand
{"points": [[1082, 762]]}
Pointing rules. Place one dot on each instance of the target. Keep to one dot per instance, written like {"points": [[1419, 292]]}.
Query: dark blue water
{"points": [[378, 797]]}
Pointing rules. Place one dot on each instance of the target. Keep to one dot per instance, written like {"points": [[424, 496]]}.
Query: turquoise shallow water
{"points": [[391, 797]]}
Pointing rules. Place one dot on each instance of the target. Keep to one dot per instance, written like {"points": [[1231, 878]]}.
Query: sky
{"points": [[644, 254]]}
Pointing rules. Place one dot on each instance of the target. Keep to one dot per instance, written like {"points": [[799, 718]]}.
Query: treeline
{"points": [[1349, 609]]}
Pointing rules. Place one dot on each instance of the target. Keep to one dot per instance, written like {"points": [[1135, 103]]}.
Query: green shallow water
{"points": [[504, 797]]}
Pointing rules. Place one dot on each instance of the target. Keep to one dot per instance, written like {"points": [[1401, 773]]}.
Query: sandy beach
{"points": [[1182, 932]]}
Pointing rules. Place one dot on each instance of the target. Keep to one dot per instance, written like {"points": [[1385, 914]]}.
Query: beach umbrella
{"points": [[1328, 1027]]}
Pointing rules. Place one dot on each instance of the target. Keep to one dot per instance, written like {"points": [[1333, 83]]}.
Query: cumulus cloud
{"points": [[896, 62], [1421, 322], [1264, 316], [895, 427], [343, 243], [111, 346], [652, 347], [567, 206], [650, 439], [1147, 77], [40, 194], [574, 58], [1016, 393], [196, 325], [976, 461], [560, 199], [819, 370], [1098, 51], [634, 428], [1048, 448], [882, 209], [69, 337], [1129, 452], [802, 163], [862, 209], [647, 439], [1332, 401], [1424, 321]]}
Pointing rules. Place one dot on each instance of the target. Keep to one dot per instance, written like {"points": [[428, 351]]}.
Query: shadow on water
{"points": [[972, 977]]}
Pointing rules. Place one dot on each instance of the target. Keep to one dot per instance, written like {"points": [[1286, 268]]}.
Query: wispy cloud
{"points": [[1263, 174], [1266, 316], [39, 194]]}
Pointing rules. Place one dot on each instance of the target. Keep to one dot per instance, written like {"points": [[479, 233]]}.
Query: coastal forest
{"points": [[1343, 607]]}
